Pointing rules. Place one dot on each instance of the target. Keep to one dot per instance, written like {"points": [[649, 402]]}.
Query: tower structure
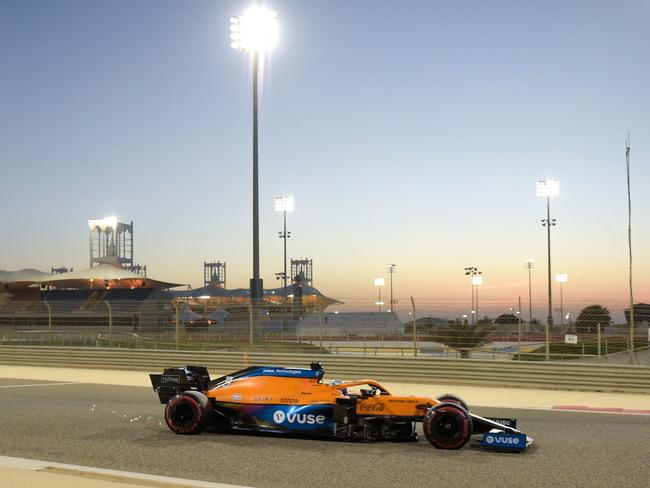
{"points": [[303, 268], [214, 274], [111, 242]]}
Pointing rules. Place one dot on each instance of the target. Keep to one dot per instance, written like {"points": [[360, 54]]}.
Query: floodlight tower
{"points": [[284, 204], [548, 188], [561, 278], [475, 279], [255, 32], [391, 268], [529, 264], [379, 282]]}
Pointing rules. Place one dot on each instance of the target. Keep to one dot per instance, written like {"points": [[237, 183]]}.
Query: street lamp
{"points": [[284, 204], [548, 188], [379, 282], [477, 281], [561, 279], [472, 272], [392, 268], [255, 32], [529, 264]]}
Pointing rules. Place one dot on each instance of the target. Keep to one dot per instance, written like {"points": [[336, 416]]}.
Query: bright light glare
{"points": [[548, 188], [477, 280], [562, 278], [255, 30], [103, 223], [284, 204], [379, 282]]}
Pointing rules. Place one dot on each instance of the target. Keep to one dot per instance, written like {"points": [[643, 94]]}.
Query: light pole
{"points": [[472, 272], [392, 268], [477, 281], [379, 282], [284, 204], [529, 264], [255, 32], [561, 279], [548, 188]]}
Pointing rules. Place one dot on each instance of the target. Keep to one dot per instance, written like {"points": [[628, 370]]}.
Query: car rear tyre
{"points": [[447, 426], [448, 398], [188, 413]]}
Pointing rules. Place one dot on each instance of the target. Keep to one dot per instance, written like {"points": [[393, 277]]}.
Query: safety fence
{"points": [[524, 374], [277, 327]]}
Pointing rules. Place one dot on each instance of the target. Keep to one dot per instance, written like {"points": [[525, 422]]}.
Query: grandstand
{"points": [[365, 324]]}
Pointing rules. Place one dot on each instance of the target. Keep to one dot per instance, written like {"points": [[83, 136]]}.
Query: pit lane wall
{"points": [[472, 372]]}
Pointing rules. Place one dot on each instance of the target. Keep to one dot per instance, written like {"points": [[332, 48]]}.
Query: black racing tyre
{"points": [[188, 413], [452, 399], [447, 426]]}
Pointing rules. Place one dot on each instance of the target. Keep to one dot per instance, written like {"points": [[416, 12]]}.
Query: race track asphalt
{"points": [[122, 428]]}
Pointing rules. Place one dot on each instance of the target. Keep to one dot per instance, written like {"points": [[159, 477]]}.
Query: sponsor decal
{"points": [[262, 399], [371, 407], [170, 378], [288, 400], [504, 440], [236, 397], [285, 372], [298, 418], [506, 422]]}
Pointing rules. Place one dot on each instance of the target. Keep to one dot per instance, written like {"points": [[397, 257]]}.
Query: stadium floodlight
{"points": [[548, 188], [256, 30], [379, 281], [103, 223], [284, 204], [477, 280], [561, 278]]}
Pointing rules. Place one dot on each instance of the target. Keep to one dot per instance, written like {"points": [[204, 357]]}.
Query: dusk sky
{"points": [[409, 132]]}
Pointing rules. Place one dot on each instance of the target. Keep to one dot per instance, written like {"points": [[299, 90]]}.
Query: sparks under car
{"points": [[297, 401]]}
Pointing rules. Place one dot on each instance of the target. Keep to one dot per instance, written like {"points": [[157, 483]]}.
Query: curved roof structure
{"points": [[83, 278]]}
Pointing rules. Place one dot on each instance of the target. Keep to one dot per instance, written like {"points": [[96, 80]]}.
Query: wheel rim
{"points": [[183, 414], [448, 426]]}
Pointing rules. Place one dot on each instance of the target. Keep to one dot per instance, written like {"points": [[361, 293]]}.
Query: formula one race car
{"points": [[297, 401]]}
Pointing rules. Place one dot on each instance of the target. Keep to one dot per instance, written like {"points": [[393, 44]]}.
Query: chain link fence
{"points": [[285, 327]]}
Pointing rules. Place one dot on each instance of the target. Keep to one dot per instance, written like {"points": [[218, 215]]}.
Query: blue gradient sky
{"points": [[409, 132]]}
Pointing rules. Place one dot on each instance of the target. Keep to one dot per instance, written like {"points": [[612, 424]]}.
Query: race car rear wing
{"points": [[177, 380]]}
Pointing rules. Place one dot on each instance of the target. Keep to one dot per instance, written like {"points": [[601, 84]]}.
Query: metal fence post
{"points": [[548, 346], [415, 330], [250, 326], [598, 332], [49, 322], [177, 325], [110, 323], [320, 325]]}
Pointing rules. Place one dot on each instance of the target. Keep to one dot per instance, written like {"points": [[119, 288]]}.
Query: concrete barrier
{"points": [[545, 375]]}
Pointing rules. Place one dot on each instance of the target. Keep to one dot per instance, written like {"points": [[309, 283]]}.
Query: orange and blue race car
{"points": [[296, 401]]}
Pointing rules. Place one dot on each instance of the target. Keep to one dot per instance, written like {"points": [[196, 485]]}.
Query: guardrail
{"points": [[523, 374]]}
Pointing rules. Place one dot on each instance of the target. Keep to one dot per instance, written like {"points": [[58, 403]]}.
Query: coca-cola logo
{"points": [[372, 407]]}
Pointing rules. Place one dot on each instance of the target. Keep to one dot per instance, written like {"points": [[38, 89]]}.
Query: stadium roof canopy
{"points": [[309, 294], [82, 279]]}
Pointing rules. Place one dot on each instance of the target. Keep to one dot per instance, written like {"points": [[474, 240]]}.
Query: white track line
{"points": [[124, 476], [40, 384]]}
